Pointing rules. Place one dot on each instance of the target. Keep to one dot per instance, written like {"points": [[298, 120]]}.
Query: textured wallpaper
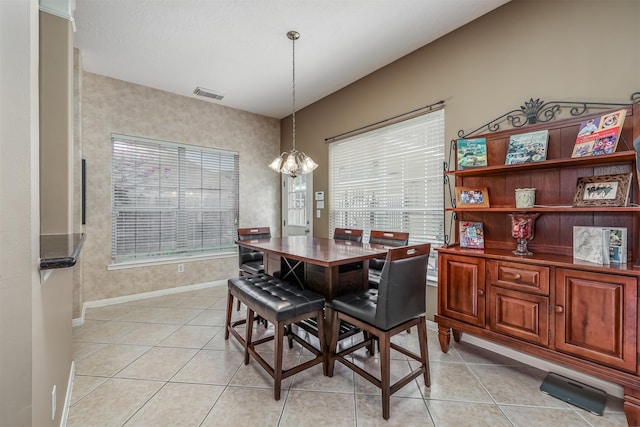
{"points": [[114, 106]]}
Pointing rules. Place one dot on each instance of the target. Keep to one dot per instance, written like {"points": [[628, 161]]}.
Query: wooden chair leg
{"points": [[385, 372], [229, 310], [424, 350], [239, 304], [277, 355], [333, 342], [249, 333]]}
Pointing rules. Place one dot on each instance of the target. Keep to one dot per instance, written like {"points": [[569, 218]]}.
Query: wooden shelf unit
{"points": [[578, 314]]}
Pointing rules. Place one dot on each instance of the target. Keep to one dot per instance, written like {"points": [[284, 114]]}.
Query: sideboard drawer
{"points": [[521, 277]]}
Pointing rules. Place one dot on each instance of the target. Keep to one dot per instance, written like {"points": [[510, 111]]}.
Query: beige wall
{"points": [[114, 106], [52, 299], [547, 49], [19, 218]]}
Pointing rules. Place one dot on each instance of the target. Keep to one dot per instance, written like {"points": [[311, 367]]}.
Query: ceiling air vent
{"points": [[200, 91]]}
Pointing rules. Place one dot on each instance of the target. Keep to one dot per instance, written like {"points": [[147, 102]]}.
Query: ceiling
{"points": [[239, 48]]}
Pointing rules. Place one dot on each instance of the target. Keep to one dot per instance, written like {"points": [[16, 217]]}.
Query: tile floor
{"points": [[163, 361]]}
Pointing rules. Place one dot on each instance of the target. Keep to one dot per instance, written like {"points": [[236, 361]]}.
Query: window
{"points": [[171, 200], [391, 179]]}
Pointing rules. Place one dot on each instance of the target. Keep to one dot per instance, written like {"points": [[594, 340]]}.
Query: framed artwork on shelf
{"points": [[603, 190], [472, 197]]}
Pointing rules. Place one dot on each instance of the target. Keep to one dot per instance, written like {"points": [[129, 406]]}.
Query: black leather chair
{"points": [[398, 304], [386, 238], [351, 234], [251, 261]]}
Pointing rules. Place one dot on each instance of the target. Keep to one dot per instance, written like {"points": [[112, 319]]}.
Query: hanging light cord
{"points": [[293, 37]]}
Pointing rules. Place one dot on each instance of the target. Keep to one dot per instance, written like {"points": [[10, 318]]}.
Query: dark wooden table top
{"points": [[317, 250]]}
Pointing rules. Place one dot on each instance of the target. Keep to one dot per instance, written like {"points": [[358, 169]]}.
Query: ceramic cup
{"points": [[525, 197]]}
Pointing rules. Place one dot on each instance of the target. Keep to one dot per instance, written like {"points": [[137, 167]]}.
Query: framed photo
{"points": [[472, 197], [603, 190]]}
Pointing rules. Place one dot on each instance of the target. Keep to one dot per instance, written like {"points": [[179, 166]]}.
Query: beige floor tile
{"points": [[220, 304], [402, 412], [313, 379], [253, 375], [240, 406], [515, 385], [178, 315], [82, 349], [476, 355], [190, 336], [87, 325], [109, 312], [159, 363], [456, 414], [465, 380], [109, 332], [112, 403], [454, 381], [219, 291], [219, 343], [109, 359], [177, 405], [148, 333], [200, 302], [525, 416], [144, 314], [399, 368], [164, 301], [309, 408], [83, 385], [210, 367], [210, 318]]}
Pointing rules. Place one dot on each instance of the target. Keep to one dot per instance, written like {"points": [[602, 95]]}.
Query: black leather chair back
{"points": [[351, 234], [403, 286], [386, 238]]}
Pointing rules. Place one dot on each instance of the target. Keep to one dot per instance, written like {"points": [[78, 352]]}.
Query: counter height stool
{"points": [[398, 304], [282, 304]]}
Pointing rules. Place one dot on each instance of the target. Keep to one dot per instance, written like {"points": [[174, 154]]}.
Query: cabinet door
{"points": [[519, 315], [596, 317], [461, 288]]}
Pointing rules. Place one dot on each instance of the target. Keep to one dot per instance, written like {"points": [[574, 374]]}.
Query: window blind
{"points": [[391, 179], [172, 200]]}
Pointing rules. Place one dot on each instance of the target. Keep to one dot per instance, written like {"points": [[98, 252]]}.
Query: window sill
{"points": [[169, 260]]}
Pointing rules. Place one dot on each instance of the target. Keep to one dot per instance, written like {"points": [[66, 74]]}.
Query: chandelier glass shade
{"points": [[293, 162]]}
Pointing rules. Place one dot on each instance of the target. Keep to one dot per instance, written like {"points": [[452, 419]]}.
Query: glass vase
{"points": [[522, 229]]}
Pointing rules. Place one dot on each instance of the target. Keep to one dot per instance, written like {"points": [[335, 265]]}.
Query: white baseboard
{"points": [[67, 397], [143, 295], [544, 365]]}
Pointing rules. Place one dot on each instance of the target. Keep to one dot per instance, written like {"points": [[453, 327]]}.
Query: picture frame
{"points": [[603, 190], [472, 197]]}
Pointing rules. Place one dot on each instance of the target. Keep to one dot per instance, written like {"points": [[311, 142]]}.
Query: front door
{"points": [[297, 205]]}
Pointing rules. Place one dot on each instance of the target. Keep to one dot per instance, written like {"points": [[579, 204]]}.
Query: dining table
{"points": [[327, 266]]}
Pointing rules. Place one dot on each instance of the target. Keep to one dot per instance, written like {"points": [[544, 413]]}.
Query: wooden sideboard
{"points": [[578, 314]]}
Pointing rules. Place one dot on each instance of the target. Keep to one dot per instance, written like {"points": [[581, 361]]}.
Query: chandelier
{"points": [[293, 162]]}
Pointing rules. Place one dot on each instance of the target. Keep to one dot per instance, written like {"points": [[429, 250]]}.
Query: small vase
{"points": [[522, 229]]}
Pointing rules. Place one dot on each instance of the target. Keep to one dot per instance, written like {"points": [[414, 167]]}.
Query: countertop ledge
{"points": [[60, 250]]}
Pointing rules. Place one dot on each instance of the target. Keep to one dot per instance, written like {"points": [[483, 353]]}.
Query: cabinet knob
{"points": [[559, 309], [517, 276], [480, 292]]}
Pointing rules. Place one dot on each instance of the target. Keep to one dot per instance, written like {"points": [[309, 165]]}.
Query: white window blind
{"points": [[391, 179], [172, 200]]}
